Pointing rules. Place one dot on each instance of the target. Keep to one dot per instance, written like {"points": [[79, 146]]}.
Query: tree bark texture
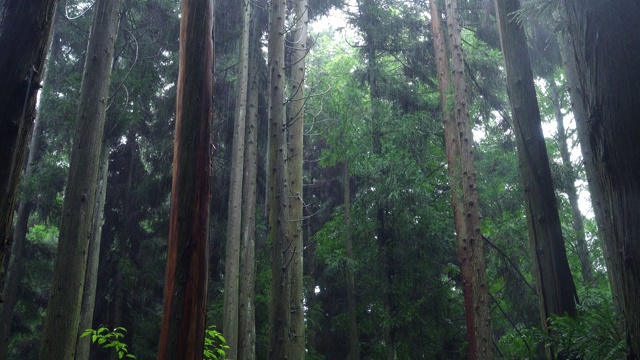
{"points": [[278, 189], [93, 259], [295, 126], [470, 243], [606, 36], [557, 293], [65, 299], [234, 222], [25, 31], [247, 315], [586, 268], [185, 290], [601, 209]]}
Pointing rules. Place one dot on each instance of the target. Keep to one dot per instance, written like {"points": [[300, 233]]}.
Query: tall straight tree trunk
{"points": [[606, 36], [576, 216], [247, 315], [234, 222], [14, 272], [65, 299], [93, 260], [470, 242], [601, 209], [556, 290], [185, 289], [25, 30], [295, 162], [354, 342], [125, 231], [278, 189]]}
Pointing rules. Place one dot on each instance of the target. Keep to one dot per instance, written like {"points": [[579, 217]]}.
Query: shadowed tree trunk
{"points": [[65, 299], [295, 161], [606, 36], [14, 271], [185, 290], [577, 223], [557, 292], [601, 208], [278, 190], [234, 223], [25, 30]]}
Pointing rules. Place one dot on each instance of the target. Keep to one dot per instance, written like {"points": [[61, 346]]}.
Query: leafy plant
{"points": [[107, 339], [214, 344]]}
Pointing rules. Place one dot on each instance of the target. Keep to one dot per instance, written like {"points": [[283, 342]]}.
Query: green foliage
{"points": [[110, 339], [594, 334], [214, 344]]}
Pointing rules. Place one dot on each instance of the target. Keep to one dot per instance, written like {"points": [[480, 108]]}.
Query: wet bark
{"points": [[605, 38], [185, 290]]}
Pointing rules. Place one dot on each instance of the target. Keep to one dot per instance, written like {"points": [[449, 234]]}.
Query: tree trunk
{"points": [[14, 272], [296, 349], [470, 243], [570, 188], [25, 30], [354, 342], [247, 316], [278, 190], [234, 222], [185, 291], [601, 209], [125, 231], [606, 36], [93, 260], [63, 312], [557, 293]]}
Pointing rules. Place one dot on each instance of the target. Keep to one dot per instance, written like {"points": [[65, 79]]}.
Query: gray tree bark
{"points": [[606, 36], [295, 161], [93, 259], [65, 300], [234, 221], [556, 289], [278, 189]]}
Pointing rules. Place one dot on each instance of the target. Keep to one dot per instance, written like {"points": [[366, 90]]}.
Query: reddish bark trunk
{"points": [[185, 294]]}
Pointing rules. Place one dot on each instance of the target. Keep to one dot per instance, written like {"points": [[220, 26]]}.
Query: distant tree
{"points": [[556, 289], [185, 291], [63, 311], [234, 219], [295, 161], [278, 190], [25, 30], [604, 38], [247, 310]]}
